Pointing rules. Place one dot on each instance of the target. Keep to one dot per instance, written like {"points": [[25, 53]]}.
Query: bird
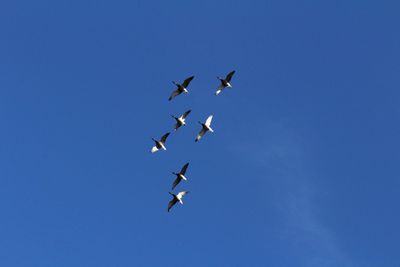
{"points": [[224, 82], [160, 144], [181, 88], [205, 128], [180, 176], [176, 198], [180, 121]]}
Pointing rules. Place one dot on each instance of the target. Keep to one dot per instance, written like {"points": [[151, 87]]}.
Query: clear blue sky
{"points": [[303, 166]]}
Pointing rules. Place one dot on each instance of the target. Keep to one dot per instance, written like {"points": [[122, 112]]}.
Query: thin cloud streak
{"points": [[285, 155]]}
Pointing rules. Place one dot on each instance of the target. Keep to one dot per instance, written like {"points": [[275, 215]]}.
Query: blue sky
{"points": [[303, 167]]}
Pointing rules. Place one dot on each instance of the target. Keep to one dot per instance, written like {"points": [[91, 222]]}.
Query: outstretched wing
{"points": [[184, 115], [208, 121], [164, 138], [174, 94], [176, 182], [184, 168], [187, 81], [229, 76], [180, 195], [172, 203], [200, 134]]}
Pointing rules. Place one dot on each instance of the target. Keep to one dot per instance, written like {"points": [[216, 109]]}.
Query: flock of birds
{"points": [[180, 121]]}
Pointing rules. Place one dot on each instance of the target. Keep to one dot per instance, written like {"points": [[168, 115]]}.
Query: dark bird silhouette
{"points": [[180, 175], [181, 88], [176, 198], [180, 121], [206, 127], [160, 144], [224, 82]]}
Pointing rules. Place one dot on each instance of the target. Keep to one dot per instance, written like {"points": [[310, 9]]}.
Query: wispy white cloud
{"points": [[305, 229], [291, 159]]}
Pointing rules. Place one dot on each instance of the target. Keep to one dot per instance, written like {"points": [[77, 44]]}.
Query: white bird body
{"points": [[154, 149], [225, 83], [206, 127], [181, 121], [160, 144], [176, 198]]}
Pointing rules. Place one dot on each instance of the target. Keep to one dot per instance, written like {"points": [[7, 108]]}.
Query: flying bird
{"points": [[180, 121], [160, 144], [181, 88], [176, 198], [180, 176], [224, 82], [205, 128]]}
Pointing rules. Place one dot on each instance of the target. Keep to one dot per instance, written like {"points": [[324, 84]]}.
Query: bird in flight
{"points": [[205, 128], [160, 144], [224, 82], [180, 121], [181, 88], [180, 176], [176, 198]]}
